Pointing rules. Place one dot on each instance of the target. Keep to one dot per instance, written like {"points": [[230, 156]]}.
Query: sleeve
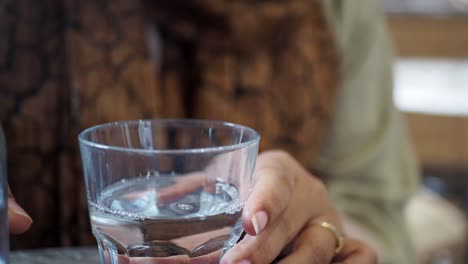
{"points": [[371, 167]]}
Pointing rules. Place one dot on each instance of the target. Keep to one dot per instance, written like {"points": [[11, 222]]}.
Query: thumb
{"points": [[18, 220]]}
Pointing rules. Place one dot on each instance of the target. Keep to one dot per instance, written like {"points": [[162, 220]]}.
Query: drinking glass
{"points": [[3, 202], [167, 191]]}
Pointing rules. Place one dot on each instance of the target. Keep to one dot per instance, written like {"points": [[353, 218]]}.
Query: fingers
{"points": [[285, 198], [356, 252], [18, 220], [314, 245], [280, 182], [271, 193], [265, 247]]}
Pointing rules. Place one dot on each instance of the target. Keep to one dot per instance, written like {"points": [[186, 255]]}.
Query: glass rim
{"points": [[83, 141]]}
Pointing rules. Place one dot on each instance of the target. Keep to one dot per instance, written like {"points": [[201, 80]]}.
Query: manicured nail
{"points": [[243, 262], [16, 209], [259, 221]]}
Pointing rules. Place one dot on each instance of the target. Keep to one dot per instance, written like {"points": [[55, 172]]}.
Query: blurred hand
{"points": [[282, 217], [18, 220]]}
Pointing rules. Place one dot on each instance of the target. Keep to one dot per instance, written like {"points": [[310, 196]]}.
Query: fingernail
{"points": [[259, 221], [243, 262], [16, 209]]}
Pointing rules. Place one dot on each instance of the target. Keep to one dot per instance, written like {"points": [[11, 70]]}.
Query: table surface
{"points": [[56, 256]]}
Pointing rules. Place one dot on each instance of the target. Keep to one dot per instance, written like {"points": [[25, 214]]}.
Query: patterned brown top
{"points": [[68, 64]]}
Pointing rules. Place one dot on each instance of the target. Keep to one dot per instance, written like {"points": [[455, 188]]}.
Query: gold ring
{"points": [[336, 233]]}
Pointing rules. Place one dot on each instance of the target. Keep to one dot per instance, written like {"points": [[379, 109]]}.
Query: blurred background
{"points": [[431, 88]]}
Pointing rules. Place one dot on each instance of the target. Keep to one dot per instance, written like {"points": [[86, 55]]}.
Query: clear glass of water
{"points": [[4, 247], [167, 191]]}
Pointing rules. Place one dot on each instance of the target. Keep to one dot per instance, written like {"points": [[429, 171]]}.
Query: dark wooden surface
{"points": [[56, 256]]}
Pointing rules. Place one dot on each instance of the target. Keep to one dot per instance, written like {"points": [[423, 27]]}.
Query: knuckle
{"points": [[275, 202], [278, 155], [278, 161], [317, 187], [276, 197], [286, 181]]}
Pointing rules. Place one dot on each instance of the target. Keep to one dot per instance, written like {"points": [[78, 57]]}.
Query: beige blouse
{"points": [[367, 152]]}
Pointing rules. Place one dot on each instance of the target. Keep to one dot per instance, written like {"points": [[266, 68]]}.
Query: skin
{"points": [[280, 218], [18, 220], [294, 211]]}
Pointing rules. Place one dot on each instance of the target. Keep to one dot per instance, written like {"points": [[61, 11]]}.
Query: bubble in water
{"points": [[118, 213], [189, 204], [219, 188], [185, 207], [234, 207], [230, 191]]}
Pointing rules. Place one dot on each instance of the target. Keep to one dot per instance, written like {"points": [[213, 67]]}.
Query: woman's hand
{"points": [[18, 220], [355, 251], [283, 216]]}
